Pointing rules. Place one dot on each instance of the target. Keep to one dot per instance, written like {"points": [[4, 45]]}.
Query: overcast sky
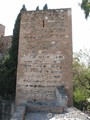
{"points": [[9, 10]]}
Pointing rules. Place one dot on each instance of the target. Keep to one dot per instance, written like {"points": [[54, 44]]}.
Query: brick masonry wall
{"points": [[45, 55]]}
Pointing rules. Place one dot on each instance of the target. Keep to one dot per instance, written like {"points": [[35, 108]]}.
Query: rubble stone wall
{"points": [[2, 30], [5, 44], [45, 55]]}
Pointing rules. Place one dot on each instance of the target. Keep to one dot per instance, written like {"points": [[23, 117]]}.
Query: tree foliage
{"points": [[37, 8], [85, 5], [45, 7], [9, 63], [81, 79]]}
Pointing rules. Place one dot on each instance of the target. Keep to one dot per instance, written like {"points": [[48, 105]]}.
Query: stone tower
{"points": [[5, 42], [2, 30], [45, 55]]}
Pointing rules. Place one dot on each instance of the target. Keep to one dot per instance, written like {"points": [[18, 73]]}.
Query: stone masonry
{"points": [[2, 30], [45, 55], [5, 42]]}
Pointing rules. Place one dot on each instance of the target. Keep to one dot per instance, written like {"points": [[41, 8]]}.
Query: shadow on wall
{"points": [[7, 109]]}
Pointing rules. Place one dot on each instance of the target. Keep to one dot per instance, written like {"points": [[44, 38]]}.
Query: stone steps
{"points": [[44, 107]]}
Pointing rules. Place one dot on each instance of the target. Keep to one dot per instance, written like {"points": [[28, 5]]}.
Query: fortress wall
{"points": [[2, 30], [45, 55]]}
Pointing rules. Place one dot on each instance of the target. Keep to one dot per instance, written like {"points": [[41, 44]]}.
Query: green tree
{"points": [[85, 5], [10, 62], [81, 80], [84, 57], [37, 8], [45, 7]]}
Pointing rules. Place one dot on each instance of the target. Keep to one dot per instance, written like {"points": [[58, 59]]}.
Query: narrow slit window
{"points": [[43, 23]]}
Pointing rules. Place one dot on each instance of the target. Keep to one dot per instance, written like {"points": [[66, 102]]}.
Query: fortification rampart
{"points": [[5, 42], [2, 30]]}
